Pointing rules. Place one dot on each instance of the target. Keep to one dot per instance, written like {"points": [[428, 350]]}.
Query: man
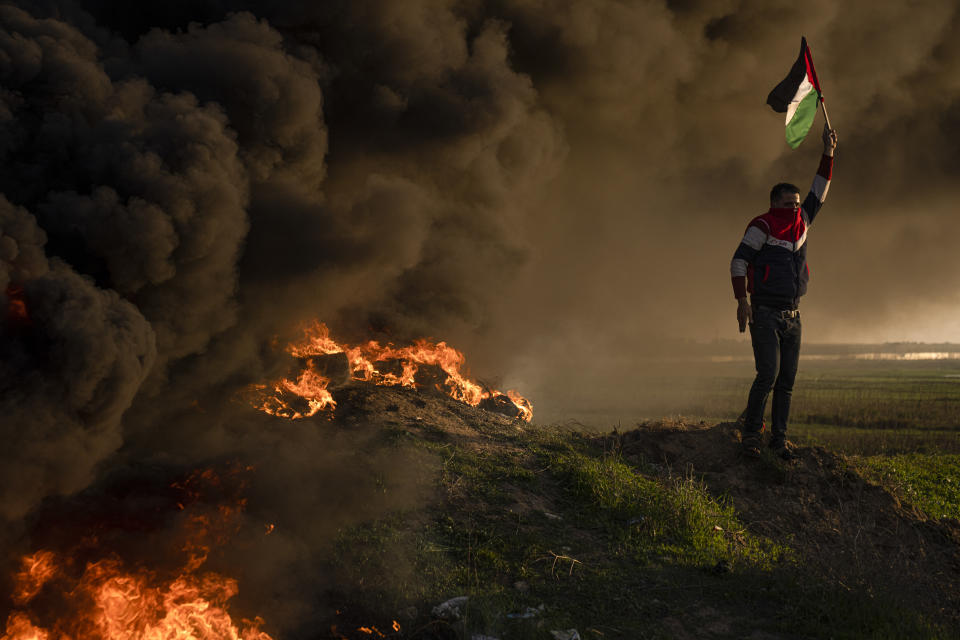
{"points": [[771, 265]]}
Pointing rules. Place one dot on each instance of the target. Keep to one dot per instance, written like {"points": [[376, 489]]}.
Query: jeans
{"points": [[776, 352]]}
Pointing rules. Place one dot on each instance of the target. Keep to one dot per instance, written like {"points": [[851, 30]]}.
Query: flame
{"points": [[316, 341], [120, 604], [523, 405], [310, 386], [363, 361], [38, 569], [111, 600], [17, 313], [19, 627]]}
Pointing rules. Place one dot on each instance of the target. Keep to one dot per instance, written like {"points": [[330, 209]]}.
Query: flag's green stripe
{"points": [[802, 120]]}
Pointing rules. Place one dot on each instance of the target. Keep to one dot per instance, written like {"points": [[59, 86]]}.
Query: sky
{"points": [[549, 187]]}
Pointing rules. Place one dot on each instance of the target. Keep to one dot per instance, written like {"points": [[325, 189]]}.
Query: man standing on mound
{"points": [[771, 265]]}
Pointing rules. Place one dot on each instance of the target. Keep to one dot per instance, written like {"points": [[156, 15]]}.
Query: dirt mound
{"points": [[851, 532], [843, 527], [420, 411]]}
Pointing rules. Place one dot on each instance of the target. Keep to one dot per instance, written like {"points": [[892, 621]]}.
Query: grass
{"points": [[549, 531], [546, 530], [862, 441], [899, 422], [876, 395], [929, 482], [652, 518]]}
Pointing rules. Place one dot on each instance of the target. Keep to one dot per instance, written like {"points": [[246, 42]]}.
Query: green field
{"points": [[898, 421], [877, 396], [858, 407]]}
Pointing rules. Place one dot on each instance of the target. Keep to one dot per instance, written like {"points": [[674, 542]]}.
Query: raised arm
{"points": [[821, 182]]}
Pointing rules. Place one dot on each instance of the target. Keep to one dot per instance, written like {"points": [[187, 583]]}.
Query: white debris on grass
{"points": [[450, 610], [529, 612], [568, 634]]}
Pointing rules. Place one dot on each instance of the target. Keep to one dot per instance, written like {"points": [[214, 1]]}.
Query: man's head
{"points": [[784, 196]]}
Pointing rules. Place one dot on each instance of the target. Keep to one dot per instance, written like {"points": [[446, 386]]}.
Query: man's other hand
{"points": [[829, 140], [744, 313]]}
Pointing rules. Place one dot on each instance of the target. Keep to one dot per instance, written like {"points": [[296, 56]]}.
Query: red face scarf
{"points": [[785, 223]]}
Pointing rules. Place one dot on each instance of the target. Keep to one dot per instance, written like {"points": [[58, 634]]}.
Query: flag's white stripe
{"points": [[805, 87]]}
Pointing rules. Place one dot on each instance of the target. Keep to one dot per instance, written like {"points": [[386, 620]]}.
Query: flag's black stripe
{"points": [[783, 93]]}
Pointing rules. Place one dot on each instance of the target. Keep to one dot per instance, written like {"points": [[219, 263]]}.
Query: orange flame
{"points": [[110, 601], [526, 409], [117, 604], [16, 305], [310, 386], [37, 570], [19, 627], [362, 360]]}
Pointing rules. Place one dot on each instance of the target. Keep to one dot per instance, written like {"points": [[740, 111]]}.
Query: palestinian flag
{"points": [[797, 96]]}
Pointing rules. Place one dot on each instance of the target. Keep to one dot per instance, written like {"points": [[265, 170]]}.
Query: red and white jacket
{"points": [[771, 261]]}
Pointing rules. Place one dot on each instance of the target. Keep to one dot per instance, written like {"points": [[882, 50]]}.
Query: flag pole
{"points": [[825, 116]]}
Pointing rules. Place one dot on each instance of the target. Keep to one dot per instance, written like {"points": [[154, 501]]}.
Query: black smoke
{"points": [[554, 187], [213, 175]]}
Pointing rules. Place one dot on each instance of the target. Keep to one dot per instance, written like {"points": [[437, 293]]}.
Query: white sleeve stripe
{"points": [[738, 267], [799, 243], [754, 238], [820, 187]]}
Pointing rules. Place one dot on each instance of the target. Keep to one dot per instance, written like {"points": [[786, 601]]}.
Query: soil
{"points": [[844, 527]]}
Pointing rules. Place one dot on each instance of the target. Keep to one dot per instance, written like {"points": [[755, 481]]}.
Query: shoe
{"points": [[783, 449], [742, 420], [788, 455]]}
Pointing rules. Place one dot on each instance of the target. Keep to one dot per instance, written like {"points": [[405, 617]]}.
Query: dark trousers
{"points": [[776, 352]]}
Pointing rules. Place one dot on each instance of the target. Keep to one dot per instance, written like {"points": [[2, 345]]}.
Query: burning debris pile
{"points": [[98, 586], [324, 363]]}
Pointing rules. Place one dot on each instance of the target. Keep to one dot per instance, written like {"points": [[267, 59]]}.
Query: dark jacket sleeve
{"points": [[753, 241]]}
